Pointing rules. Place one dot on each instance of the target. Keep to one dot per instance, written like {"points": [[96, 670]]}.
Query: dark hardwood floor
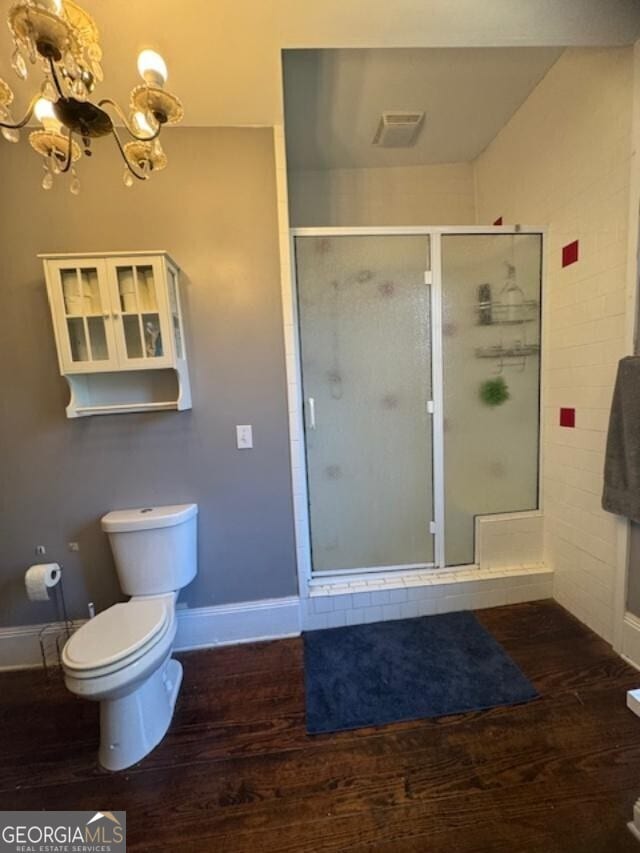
{"points": [[238, 774]]}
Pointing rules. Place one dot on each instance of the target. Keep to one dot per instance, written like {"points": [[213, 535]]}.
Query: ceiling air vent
{"points": [[398, 130]]}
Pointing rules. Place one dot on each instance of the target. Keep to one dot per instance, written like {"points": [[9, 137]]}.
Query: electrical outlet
{"points": [[73, 546]]}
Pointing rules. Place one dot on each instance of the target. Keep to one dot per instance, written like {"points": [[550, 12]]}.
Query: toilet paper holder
{"points": [[48, 630]]}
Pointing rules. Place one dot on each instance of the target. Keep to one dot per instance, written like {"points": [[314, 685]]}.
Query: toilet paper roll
{"points": [[41, 578]]}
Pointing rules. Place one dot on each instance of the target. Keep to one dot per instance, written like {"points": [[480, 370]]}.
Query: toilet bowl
{"points": [[122, 657]]}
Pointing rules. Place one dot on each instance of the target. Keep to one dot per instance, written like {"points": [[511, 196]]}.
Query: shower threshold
{"points": [[452, 576], [396, 577]]}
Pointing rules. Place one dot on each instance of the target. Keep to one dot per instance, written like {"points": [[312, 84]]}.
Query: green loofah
{"points": [[494, 392]]}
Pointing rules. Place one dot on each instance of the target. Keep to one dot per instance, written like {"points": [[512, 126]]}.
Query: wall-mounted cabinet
{"points": [[119, 332]]}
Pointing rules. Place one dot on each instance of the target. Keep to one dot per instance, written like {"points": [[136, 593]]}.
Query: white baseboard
{"points": [[198, 628], [630, 650], [20, 646], [246, 622]]}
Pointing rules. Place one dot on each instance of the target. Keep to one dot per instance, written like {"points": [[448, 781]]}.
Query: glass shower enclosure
{"points": [[419, 360]]}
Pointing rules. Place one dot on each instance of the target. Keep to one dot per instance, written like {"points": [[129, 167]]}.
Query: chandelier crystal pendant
{"points": [[61, 40]]}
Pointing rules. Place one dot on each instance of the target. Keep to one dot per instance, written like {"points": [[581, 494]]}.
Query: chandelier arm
{"points": [[24, 121], [67, 164], [54, 75], [125, 121], [125, 158]]}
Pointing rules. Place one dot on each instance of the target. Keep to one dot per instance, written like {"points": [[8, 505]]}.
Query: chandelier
{"points": [[61, 41]]}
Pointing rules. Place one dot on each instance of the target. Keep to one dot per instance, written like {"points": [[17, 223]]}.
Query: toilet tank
{"points": [[154, 548]]}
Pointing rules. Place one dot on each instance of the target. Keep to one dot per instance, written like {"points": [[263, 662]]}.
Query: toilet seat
{"points": [[117, 637]]}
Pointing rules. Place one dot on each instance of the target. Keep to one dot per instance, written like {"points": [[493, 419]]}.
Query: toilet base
{"points": [[132, 725]]}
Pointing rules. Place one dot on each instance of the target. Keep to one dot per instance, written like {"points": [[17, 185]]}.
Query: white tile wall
{"points": [[563, 161], [425, 593], [441, 194], [509, 539]]}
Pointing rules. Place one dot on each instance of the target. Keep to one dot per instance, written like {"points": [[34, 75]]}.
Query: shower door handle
{"points": [[312, 413]]}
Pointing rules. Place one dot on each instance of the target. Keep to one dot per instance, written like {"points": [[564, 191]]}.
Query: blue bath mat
{"points": [[384, 672]]}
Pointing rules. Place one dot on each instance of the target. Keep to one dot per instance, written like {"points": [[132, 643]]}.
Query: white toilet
{"points": [[122, 657]]}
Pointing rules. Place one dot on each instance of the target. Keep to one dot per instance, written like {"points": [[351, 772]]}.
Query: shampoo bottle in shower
{"points": [[512, 297]]}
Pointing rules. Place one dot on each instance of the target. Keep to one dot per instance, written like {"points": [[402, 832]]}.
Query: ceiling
{"points": [[334, 100], [224, 55]]}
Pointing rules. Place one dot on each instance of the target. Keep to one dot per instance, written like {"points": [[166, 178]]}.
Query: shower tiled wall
{"points": [[509, 539], [563, 161]]}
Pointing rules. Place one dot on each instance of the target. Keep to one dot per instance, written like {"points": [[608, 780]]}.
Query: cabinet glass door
{"points": [[84, 313], [176, 314], [139, 292]]}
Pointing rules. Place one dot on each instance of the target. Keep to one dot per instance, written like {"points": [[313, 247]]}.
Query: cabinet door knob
{"points": [[106, 315], [115, 315]]}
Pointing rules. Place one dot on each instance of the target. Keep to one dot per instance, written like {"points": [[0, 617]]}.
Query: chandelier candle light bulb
{"points": [[54, 6], [152, 68], [43, 111]]}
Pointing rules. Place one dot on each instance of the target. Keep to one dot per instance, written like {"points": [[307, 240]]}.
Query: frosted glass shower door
{"points": [[491, 291], [365, 339]]}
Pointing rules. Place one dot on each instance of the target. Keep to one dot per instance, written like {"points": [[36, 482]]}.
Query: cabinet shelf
{"points": [[118, 325], [124, 408]]}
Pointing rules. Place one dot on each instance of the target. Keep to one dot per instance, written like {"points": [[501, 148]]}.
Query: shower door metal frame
{"points": [[296, 403]]}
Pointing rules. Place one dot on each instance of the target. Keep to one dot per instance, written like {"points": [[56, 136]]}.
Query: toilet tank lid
{"points": [[147, 518]]}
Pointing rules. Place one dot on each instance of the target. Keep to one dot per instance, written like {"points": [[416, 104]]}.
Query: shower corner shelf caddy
{"points": [[517, 350], [496, 313], [118, 326]]}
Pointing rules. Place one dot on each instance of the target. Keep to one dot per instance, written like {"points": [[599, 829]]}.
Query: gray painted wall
{"points": [[214, 209]]}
